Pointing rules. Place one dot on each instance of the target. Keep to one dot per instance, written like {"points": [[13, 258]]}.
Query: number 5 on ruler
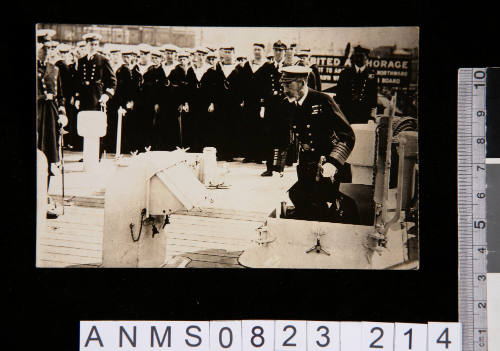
{"points": [[377, 336], [410, 337]]}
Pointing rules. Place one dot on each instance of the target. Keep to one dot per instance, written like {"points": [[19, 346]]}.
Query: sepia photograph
{"points": [[227, 147]]}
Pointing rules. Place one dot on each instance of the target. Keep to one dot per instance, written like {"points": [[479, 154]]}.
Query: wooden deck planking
{"points": [[70, 243], [72, 239]]}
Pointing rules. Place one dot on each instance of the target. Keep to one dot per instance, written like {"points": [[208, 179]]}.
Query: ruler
{"points": [[472, 248]]}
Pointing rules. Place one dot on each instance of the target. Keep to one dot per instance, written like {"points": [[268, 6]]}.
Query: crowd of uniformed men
{"points": [[259, 108]]}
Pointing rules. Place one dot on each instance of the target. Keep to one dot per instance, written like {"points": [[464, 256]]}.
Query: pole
{"points": [[179, 119], [121, 112], [61, 155]]}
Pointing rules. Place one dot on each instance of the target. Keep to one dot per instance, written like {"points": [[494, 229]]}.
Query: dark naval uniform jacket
{"points": [[50, 102], [321, 130], [356, 94], [95, 77]]}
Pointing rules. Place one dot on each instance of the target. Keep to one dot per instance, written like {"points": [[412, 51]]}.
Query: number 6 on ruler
{"points": [[377, 336], [290, 335]]}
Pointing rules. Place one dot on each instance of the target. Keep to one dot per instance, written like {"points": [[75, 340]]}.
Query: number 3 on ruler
{"points": [[444, 337]]}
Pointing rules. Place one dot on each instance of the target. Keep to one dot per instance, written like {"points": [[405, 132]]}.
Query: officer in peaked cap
{"points": [[314, 79], [356, 90], [279, 48], [277, 136], [97, 81], [50, 103], [325, 141]]}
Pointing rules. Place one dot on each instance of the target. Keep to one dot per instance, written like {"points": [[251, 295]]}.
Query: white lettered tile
{"points": [[444, 336], [159, 335], [377, 336], [225, 335], [258, 335], [410, 337], [97, 335], [290, 335], [191, 336], [323, 336]]}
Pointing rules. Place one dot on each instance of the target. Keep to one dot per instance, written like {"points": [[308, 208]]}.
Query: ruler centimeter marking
{"points": [[472, 248]]}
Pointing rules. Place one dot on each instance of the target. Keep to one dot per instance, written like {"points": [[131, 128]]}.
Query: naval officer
{"points": [[325, 141], [96, 78], [357, 89]]}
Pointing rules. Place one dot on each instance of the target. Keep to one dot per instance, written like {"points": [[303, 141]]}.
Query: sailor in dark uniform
{"points": [[356, 90], [256, 85], [227, 104], [325, 140], [277, 124], [145, 103], [67, 72], [167, 127], [240, 60], [126, 89], [195, 124], [211, 58], [181, 95], [115, 60], [314, 79]]}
